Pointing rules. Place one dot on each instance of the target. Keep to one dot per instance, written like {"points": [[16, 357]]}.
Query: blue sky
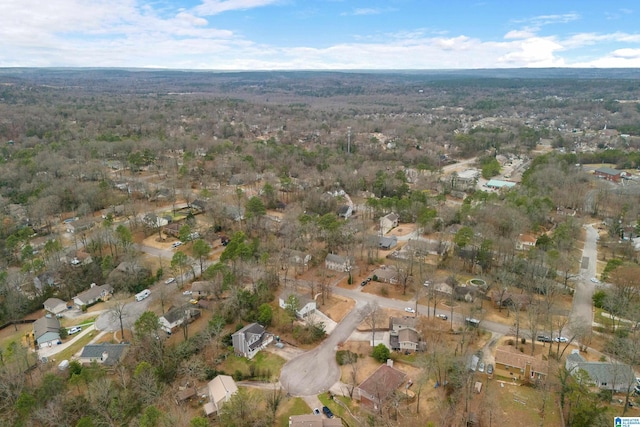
{"points": [[319, 34]]}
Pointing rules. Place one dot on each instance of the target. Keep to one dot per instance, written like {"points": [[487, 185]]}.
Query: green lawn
{"points": [[263, 362], [75, 347], [292, 406], [338, 410]]}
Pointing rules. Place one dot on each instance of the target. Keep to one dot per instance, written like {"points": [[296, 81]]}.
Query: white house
{"points": [[55, 305], [338, 263], [177, 317], [249, 340], [305, 304]]}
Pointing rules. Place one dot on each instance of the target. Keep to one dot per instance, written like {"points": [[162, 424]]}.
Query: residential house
{"points": [[617, 377], [92, 295], [386, 274], [338, 263], [297, 259], [249, 340], [525, 242], [421, 248], [44, 280], [407, 339], [220, 389], [465, 293], [345, 211], [177, 317], [202, 288], [512, 363], [609, 174], [55, 305], [305, 304], [80, 225], [389, 222], [199, 206], [396, 324], [103, 354], [386, 243], [173, 229], [309, 420], [498, 184], [504, 299], [46, 331], [379, 386]]}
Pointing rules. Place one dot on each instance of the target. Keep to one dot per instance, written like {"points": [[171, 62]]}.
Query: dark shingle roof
{"points": [[113, 351]]}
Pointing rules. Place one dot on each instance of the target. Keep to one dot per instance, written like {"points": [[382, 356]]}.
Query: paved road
{"points": [[132, 311], [582, 311], [316, 371]]}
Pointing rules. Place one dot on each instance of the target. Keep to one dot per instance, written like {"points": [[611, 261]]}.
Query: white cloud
{"points": [[535, 52], [214, 7], [541, 20], [626, 53], [520, 34]]}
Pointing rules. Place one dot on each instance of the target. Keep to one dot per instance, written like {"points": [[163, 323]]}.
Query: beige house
{"points": [[220, 389], [388, 222]]}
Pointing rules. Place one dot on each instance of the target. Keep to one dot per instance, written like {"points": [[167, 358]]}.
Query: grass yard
{"points": [[264, 362], [68, 352], [506, 404], [291, 406]]}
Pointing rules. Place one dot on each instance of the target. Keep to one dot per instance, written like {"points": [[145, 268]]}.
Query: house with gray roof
{"points": [[387, 242], [92, 295], [177, 317], [617, 377], [55, 305], [249, 340], [305, 304], [46, 331], [104, 354], [338, 263]]}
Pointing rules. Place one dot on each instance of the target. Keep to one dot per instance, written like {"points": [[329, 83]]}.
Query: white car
{"points": [[594, 280], [561, 339], [170, 280], [409, 310], [442, 316], [74, 330], [176, 244], [187, 293]]}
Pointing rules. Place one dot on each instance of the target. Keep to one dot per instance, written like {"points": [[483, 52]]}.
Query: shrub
{"points": [[381, 353], [344, 357]]}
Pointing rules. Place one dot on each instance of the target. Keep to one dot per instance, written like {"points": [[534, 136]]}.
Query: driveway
{"points": [[316, 371]]}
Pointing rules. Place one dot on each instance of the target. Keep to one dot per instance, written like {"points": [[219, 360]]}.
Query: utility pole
{"points": [[349, 139]]}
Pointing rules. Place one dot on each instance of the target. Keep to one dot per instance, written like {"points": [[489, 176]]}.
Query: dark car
{"points": [[543, 338], [327, 412], [489, 369]]}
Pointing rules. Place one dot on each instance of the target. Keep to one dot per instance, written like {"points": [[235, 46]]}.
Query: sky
{"points": [[319, 34]]}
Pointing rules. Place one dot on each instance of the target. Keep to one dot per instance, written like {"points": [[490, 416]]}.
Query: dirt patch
{"points": [[387, 290], [337, 308]]}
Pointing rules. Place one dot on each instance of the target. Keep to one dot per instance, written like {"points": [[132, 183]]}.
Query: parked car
{"points": [[561, 339], [187, 293], [481, 367], [316, 411], [543, 338], [442, 316], [363, 283], [170, 280], [327, 412], [74, 330], [176, 244], [489, 369], [409, 310], [594, 280]]}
